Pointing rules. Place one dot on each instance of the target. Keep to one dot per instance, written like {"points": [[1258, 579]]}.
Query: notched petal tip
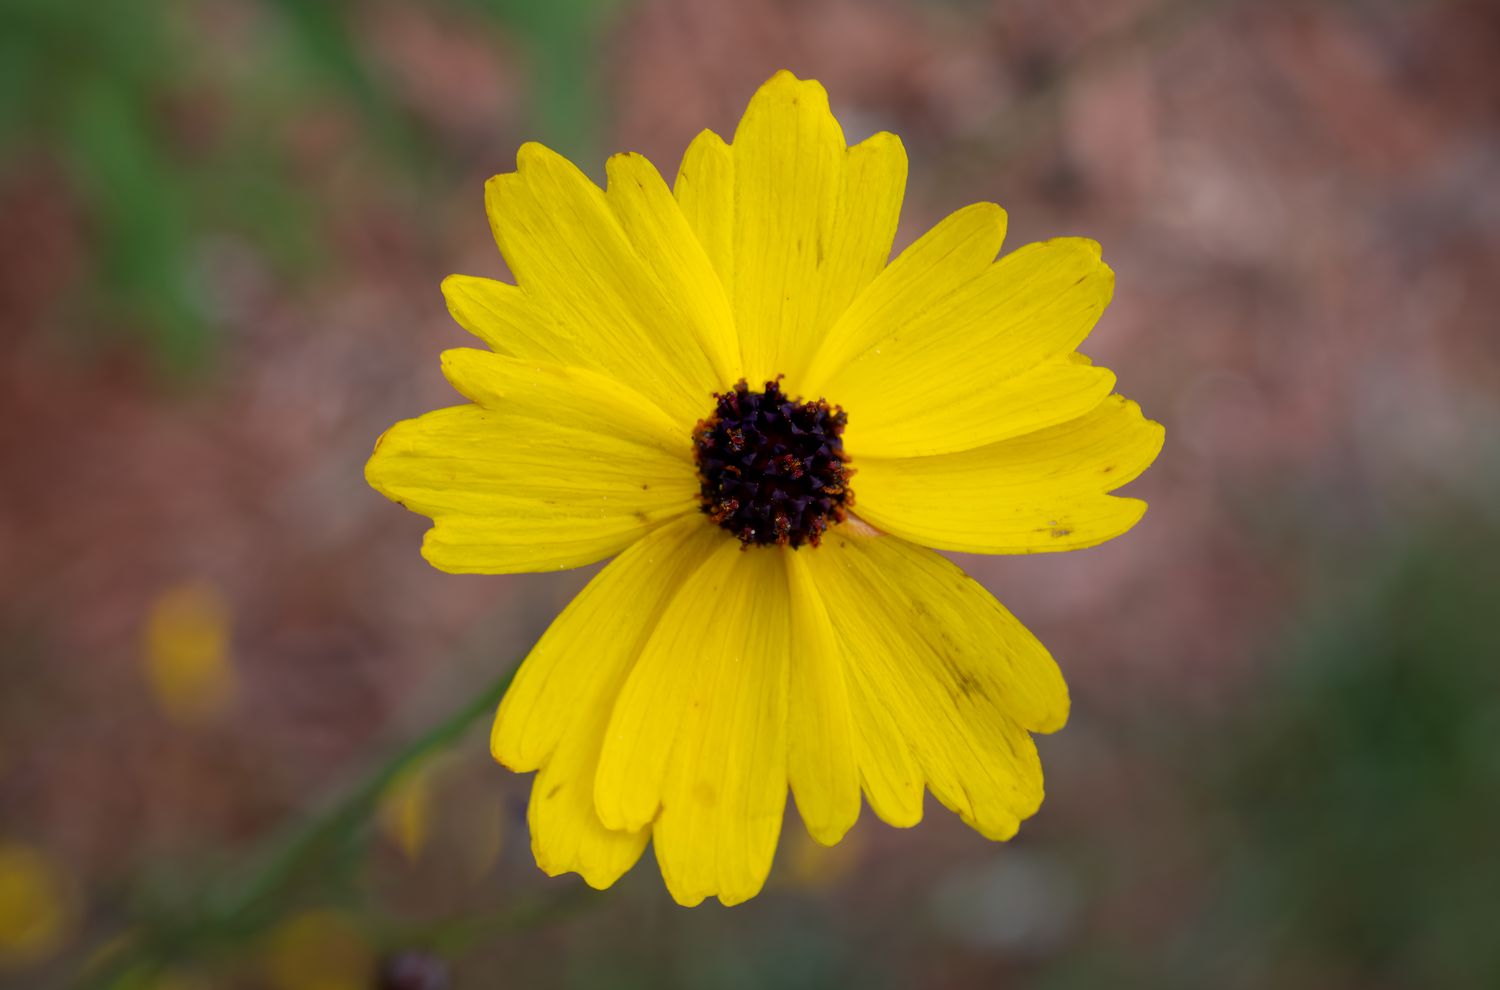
{"points": [[620, 161], [454, 358], [1085, 245], [465, 367], [530, 156], [694, 896], [496, 184], [1153, 438], [782, 92], [1084, 256], [879, 158], [1083, 252], [786, 78], [631, 168], [883, 141], [387, 445], [441, 557], [374, 465], [532, 153]]}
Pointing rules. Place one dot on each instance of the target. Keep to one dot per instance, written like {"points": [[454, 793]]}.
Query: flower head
{"points": [[698, 381]]}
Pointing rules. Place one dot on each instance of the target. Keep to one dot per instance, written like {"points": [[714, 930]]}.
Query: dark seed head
{"points": [[773, 469]]}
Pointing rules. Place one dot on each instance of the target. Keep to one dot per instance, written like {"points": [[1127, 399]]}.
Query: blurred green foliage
{"points": [[101, 88], [1368, 799], [83, 79], [1344, 820], [562, 37]]}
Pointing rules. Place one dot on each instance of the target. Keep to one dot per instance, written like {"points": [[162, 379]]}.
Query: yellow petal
{"points": [[555, 714], [956, 671], [914, 422], [821, 764], [697, 741], [660, 233], [889, 773], [1040, 492], [574, 259], [983, 647], [511, 322], [595, 641], [705, 191], [537, 390], [566, 834], [553, 467], [860, 234], [811, 220], [931, 270], [949, 372]]}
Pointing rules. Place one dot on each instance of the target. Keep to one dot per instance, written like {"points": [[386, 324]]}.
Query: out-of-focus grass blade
{"points": [[135, 199], [562, 37], [87, 83], [321, 30], [1366, 795], [84, 80], [18, 74]]}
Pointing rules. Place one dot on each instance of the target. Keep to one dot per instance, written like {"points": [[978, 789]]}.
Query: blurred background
{"points": [[225, 222]]}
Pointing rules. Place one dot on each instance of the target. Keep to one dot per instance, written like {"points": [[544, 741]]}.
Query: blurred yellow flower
{"points": [[33, 907], [652, 390], [318, 950], [187, 659], [405, 811], [435, 804]]}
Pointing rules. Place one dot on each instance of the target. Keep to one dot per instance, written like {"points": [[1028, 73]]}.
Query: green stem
{"points": [[455, 935], [288, 857]]}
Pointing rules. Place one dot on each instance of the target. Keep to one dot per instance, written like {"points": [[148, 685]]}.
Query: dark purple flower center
{"points": [[773, 468]]}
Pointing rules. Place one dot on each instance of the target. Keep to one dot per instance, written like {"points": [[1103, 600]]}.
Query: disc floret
{"points": [[773, 469]]}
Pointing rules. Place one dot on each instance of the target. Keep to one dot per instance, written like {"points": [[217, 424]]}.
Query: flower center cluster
{"points": [[773, 469]]}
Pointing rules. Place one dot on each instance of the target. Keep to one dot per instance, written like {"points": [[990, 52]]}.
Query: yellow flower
{"points": [[187, 660], [33, 907], [405, 810], [652, 392], [466, 839], [318, 950]]}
